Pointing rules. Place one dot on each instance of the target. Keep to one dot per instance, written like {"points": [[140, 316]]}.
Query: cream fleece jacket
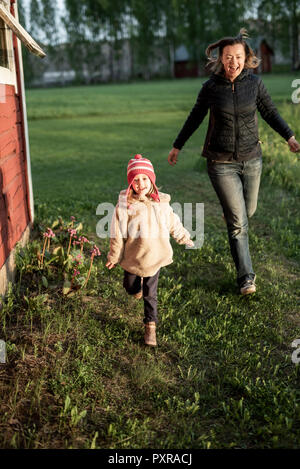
{"points": [[140, 234]]}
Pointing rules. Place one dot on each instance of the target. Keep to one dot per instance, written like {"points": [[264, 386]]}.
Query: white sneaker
{"points": [[248, 286]]}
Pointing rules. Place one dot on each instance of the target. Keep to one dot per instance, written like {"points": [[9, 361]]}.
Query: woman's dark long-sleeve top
{"points": [[233, 125]]}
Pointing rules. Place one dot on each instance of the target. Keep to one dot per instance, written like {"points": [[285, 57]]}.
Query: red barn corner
{"points": [[16, 197]]}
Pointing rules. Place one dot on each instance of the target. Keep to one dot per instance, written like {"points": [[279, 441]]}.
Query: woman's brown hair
{"points": [[214, 63]]}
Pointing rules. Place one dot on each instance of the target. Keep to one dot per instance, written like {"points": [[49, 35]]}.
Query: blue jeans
{"points": [[237, 186]]}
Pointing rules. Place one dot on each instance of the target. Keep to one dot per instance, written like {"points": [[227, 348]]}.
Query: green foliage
{"points": [[152, 28], [65, 259], [280, 20]]}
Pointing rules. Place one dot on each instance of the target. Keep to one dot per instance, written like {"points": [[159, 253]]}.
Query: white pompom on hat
{"points": [[140, 165]]}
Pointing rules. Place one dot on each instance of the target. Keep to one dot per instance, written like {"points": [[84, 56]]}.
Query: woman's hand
{"points": [[173, 155], [109, 265], [293, 144]]}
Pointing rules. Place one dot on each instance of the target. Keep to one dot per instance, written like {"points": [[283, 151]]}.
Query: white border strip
{"points": [[27, 150], [147, 168], [8, 75]]}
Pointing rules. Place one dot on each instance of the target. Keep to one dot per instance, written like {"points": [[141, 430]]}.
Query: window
{"points": [[7, 63], [3, 45], [9, 24], [14, 25]]}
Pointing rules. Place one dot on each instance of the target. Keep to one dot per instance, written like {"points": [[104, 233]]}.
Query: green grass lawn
{"points": [[78, 374]]}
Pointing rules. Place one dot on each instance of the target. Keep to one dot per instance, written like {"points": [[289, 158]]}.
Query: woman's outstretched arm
{"points": [[269, 113]]}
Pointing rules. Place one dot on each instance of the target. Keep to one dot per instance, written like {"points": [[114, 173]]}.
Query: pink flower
{"points": [[75, 273], [72, 232], [72, 218], [95, 251], [48, 234]]}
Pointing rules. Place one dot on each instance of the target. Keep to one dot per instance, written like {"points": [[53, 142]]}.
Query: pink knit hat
{"points": [[140, 165]]}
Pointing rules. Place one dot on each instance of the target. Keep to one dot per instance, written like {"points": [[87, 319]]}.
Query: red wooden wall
{"points": [[14, 213]]}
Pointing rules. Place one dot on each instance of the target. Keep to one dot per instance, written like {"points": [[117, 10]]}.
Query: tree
{"points": [[28, 69], [41, 23], [90, 23], [152, 28], [281, 19]]}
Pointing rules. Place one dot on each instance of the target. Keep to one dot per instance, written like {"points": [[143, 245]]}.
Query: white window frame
{"points": [[8, 75], [12, 24]]}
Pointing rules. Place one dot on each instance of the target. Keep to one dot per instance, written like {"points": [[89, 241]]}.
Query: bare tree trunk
{"points": [[111, 61], [295, 37], [131, 49]]}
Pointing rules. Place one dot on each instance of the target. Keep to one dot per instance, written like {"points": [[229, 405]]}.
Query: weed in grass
{"points": [[71, 416]]}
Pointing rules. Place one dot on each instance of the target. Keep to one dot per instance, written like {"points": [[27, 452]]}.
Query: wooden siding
{"points": [[14, 213]]}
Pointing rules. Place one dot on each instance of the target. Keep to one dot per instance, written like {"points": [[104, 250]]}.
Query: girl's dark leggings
{"points": [[132, 284]]}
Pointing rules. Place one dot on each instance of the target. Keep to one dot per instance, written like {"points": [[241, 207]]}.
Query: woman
{"points": [[232, 147]]}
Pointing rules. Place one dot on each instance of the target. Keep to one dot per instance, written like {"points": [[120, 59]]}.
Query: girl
{"points": [[139, 239]]}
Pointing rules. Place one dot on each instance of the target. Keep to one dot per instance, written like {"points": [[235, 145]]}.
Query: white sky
{"points": [[60, 3], [61, 8]]}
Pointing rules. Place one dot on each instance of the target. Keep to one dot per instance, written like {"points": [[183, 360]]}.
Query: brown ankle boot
{"points": [[150, 335]]}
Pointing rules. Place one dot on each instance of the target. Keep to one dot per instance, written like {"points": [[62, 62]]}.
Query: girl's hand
{"points": [[173, 155], [109, 265], [293, 144], [190, 243]]}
